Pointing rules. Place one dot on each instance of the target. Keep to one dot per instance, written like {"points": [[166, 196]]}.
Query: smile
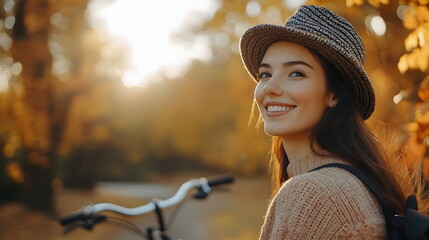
{"points": [[279, 108]]}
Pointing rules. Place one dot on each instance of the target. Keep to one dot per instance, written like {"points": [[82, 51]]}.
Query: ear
{"points": [[331, 100]]}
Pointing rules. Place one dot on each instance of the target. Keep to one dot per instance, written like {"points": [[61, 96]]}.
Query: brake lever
{"points": [[90, 222], [203, 190]]}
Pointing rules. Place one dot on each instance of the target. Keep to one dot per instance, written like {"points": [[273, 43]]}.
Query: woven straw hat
{"points": [[324, 32]]}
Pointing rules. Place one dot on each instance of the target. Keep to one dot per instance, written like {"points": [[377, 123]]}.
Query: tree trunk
{"points": [[33, 110]]}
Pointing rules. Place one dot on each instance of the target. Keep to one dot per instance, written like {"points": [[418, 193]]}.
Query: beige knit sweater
{"points": [[330, 203]]}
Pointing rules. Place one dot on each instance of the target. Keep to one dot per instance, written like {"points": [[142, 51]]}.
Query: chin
{"points": [[287, 132], [275, 132]]}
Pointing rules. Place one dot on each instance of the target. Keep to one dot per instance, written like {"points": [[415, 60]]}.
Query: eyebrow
{"points": [[287, 64]]}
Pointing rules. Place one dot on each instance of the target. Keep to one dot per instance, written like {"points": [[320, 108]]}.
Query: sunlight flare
{"points": [[147, 29]]}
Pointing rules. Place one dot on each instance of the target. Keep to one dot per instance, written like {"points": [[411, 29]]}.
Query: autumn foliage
{"points": [[65, 115]]}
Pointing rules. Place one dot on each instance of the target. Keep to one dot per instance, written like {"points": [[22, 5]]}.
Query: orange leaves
{"points": [[416, 18], [419, 129], [12, 145], [416, 133], [423, 91], [422, 113], [417, 44], [422, 108]]}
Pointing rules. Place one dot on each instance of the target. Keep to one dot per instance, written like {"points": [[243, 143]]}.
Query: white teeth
{"points": [[279, 108]]}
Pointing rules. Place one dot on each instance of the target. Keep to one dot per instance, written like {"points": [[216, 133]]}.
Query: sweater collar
{"points": [[308, 162]]}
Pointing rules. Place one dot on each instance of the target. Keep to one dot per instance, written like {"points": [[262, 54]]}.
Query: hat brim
{"points": [[256, 40]]}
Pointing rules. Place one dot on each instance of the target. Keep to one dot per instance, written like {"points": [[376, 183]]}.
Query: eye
{"points": [[297, 74], [264, 75]]}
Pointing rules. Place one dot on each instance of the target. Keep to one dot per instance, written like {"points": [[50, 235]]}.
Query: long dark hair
{"points": [[343, 133]]}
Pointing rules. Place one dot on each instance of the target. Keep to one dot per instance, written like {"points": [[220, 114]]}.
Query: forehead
{"points": [[284, 51]]}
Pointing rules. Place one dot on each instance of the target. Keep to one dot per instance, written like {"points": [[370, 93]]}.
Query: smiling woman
{"points": [[145, 29], [314, 96]]}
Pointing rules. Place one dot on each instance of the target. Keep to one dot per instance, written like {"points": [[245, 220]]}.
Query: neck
{"points": [[296, 148]]}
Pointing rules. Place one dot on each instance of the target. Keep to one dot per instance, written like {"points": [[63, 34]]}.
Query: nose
{"points": [[272, 87]]}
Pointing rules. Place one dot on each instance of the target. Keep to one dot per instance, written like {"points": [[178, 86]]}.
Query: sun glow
{"points": [[147, 28]]}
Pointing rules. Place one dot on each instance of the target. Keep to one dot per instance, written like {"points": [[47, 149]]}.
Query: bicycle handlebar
{"points": [[65, 220], [221, 180], [202, 184]]}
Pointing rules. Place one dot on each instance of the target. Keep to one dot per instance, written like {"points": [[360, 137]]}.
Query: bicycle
{"points": [[89, 216]]}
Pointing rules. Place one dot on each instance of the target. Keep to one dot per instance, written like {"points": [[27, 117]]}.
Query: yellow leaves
{"points": [[351, 3], [416, 15], [410, 18], [15, 172], [419, 37], [403, 64], [412, 41], [422, 60], [418, 58], [375, 3], [417, 42], [422, 13]]}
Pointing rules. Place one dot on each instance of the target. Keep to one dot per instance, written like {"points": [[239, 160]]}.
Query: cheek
{"points": [[311, 98]]}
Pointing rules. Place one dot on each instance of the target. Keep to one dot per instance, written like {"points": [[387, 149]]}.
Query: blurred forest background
{"points": [[75, 111]]}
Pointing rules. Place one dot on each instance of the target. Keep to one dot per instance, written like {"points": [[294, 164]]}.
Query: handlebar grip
{"points": [[221, 180], [72, 218]]}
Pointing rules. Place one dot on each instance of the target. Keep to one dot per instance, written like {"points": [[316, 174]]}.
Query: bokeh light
{"points": [[293, 4], [9, 22], [253, 8], [148, 33], [400, 11], [376, 25]]}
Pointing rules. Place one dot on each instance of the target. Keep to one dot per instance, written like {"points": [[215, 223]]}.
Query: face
{"points": [[292, 93]]}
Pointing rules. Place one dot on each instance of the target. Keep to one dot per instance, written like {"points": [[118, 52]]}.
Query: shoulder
{"points": [[320, 188], [329, 203], [326, 180], [332, 188]]}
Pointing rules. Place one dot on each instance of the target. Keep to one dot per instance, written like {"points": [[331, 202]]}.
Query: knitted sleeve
{"points": [[323, 206]]}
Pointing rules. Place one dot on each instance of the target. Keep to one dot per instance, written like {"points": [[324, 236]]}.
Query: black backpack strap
{"points": [[387, 211]]}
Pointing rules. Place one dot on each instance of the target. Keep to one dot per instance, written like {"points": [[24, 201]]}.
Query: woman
{"points": [[314, 95]]}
